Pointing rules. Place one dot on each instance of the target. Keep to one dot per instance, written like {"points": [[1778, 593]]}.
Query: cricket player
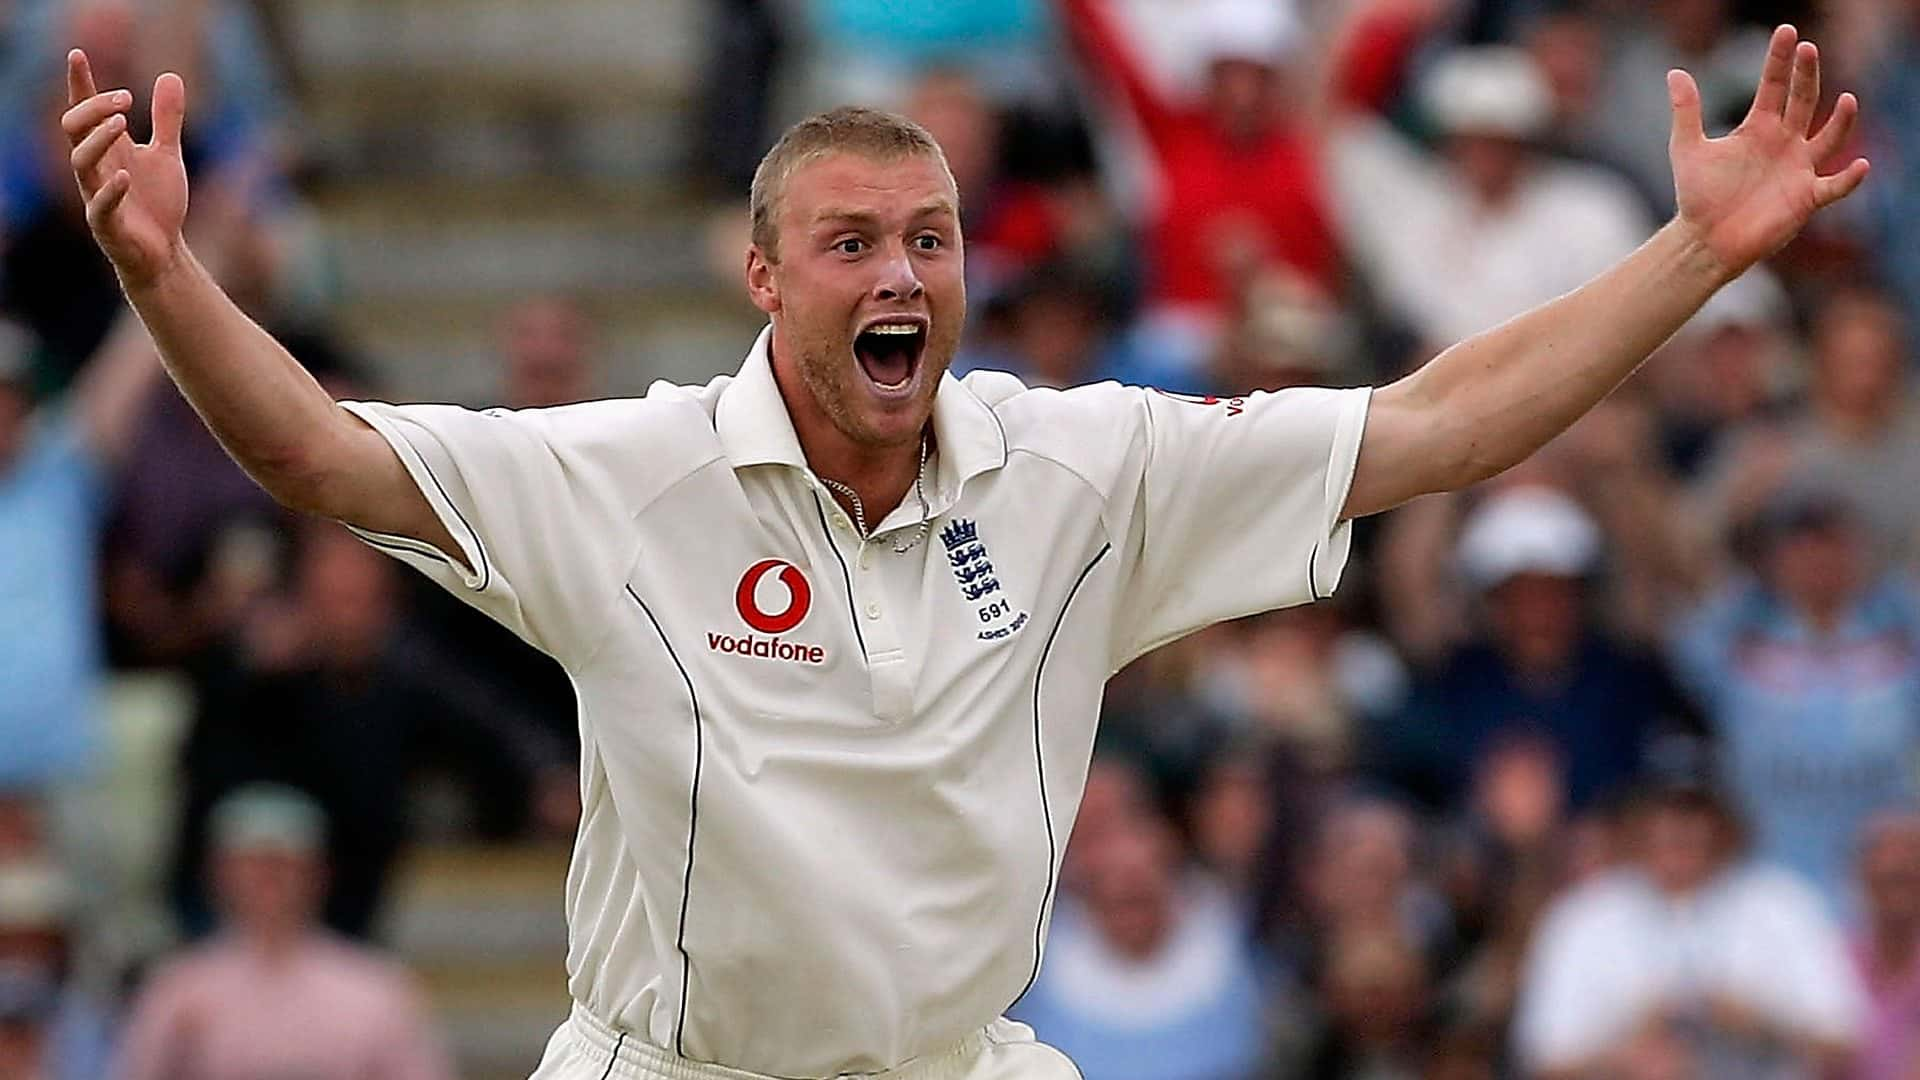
{"points": [[839, 623]]}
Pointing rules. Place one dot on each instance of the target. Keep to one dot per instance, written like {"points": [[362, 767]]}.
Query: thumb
{"points": [[1685, 97], [169, 110]]}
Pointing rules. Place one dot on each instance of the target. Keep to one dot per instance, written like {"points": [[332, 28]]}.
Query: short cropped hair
{"points": [[851, 129]]}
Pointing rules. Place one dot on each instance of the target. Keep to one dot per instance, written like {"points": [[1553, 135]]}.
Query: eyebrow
{"points": [[867, 217]]}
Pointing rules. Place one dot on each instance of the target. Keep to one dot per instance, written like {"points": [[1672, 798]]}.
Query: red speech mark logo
{"points": [[799, 597]]}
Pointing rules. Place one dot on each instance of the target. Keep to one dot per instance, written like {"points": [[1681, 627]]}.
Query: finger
{"points": [[105, 201], [1828, 190], [86, 156], [86, 116], [1771, 97], [169, 110], [1839, 127], [79, 78], [1684, 93], [1803, 96]]}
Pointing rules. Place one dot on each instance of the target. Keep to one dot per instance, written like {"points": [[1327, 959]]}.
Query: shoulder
{"points": [[370, 971], [1773, 895], [1091, 431], [1593, 913]]}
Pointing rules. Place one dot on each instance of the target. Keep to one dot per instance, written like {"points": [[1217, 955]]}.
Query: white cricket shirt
{"points": [[826, 785]]}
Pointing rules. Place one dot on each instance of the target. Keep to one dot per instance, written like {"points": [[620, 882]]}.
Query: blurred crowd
{"points": [[1606, 768]]}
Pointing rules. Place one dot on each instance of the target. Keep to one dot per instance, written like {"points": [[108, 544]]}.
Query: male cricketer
{"points": [[839, 623]]}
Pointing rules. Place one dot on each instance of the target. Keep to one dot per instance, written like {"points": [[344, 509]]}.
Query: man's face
{"points": [[1681, 848], [269, 889], [868, 295]]}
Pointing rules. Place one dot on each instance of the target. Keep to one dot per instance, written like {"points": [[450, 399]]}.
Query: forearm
{"points": [[272, 417], [1501, 395]]}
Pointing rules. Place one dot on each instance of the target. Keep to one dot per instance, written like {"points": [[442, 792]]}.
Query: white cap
{"points": [[1488, 90], [1754, 299], [1528, 530], [34, 895], [1259, 31], [267, 817]]}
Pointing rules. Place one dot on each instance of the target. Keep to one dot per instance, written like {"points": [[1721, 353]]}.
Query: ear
{"points": [[762, 288]]}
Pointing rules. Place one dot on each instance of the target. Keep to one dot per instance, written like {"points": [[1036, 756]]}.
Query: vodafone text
{"points": [[766, 648]]}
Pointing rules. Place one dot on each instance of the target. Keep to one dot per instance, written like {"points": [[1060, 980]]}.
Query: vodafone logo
{"points": [[782, 619], [770, 608]]}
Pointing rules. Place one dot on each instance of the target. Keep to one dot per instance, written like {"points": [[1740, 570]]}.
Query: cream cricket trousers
{"points": [[586, 1049]]}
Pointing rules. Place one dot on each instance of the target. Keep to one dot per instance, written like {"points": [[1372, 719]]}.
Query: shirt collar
{"points": [[755, 429]]}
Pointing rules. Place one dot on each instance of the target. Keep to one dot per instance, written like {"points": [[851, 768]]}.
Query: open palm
{"points": [[1748, 193], [136, 194]]}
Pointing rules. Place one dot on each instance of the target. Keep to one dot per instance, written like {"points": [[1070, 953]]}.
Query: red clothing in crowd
{"points": [[1211, 184]]}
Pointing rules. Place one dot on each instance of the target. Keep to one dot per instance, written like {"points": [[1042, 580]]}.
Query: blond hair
{"points": [[850, 129]]}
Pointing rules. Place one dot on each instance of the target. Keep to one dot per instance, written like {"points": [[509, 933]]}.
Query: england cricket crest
{"points": [[973, 572]]}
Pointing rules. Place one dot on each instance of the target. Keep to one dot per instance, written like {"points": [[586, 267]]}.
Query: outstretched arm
{"points": [[1111, 59], [1486, 404], [268, 413]]}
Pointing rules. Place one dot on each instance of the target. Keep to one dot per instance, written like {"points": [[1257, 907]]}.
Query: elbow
{"points": [[298, 477]]}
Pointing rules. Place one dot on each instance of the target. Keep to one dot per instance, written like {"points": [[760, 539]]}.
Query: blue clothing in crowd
{"points": [[1601, 714], [51, 500], [1193, 1011], [1818, 732]]}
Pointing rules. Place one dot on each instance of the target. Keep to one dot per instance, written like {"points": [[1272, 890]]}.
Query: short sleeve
{"points": [[1238, 509], [541, 544]]}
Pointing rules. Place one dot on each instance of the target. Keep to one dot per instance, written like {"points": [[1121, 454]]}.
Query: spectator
{"points": [[1489, 228], [1810, 675], [1886, 951], [1740, 955], [332, 694], [55, 462], [51, 275], [1860, 432], [1629, 125], [37, 947], [1539, 665], [1150, 975], [27, 1001], [1891, 230], [546, 341], [275, 995], [1360, 881], [1726, 373], [1239, 184], [1375, 994]]}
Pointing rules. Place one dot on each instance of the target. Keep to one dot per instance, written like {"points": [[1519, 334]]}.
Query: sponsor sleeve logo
{"points": [[799, 597], [1235, 405]]}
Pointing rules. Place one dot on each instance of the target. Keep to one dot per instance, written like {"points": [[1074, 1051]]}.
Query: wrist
{"points": [[1698, 256], [155, 277]]}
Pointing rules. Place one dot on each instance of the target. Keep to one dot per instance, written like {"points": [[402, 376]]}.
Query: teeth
{"points": [[894, 329]]}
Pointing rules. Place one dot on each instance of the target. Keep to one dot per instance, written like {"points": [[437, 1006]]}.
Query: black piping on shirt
{"points": [[1040, 767], [693, 822]]}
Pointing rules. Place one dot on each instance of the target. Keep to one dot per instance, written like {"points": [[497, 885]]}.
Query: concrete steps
{"points": [[485, 930], [473, 152]]}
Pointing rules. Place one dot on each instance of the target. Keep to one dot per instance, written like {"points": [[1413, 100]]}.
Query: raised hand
{"points": [[136, 195], [1746, 194]]}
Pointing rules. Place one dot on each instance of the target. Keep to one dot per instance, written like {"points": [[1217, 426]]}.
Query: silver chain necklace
{"points": [[919, 491]]}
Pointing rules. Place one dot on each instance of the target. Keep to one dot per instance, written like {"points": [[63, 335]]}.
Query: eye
{"points": [[851, 245], [928, 242]]}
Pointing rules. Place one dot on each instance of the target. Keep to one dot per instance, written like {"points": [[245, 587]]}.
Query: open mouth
{"points": [[889, 352]]}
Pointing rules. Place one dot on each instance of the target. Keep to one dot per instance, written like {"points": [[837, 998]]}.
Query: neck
{"points": [[881, 475], [274, 942]]}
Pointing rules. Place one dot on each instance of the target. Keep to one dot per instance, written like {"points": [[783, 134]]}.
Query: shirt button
{"points": [[839, 521], [866, 558], [873, 611]]}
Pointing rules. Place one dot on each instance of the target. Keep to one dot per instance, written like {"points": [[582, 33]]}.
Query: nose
{"points": [[897, 280]]}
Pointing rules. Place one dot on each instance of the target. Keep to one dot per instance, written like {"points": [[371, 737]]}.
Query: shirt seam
{"points": [[625, 574]]}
